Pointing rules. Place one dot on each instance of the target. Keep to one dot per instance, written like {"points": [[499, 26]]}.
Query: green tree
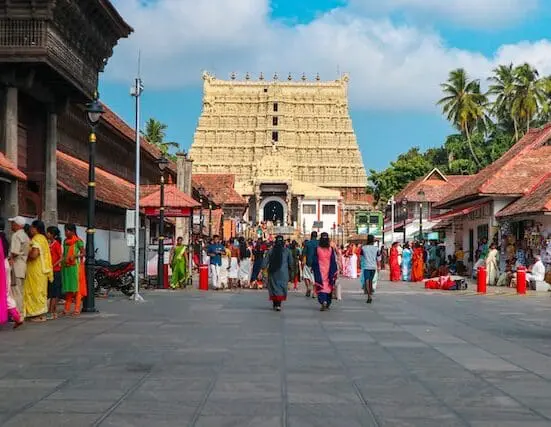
{"points": [[530, 96], [503, 89], [407, 167], [155, 133], [464, 105]]}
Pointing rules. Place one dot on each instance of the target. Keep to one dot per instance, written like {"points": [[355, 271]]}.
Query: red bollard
{"points": [[521, 280], [481, 280], [204, 277], [166, 278]]}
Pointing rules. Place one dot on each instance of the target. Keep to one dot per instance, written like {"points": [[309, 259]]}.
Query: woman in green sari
{"points": [[178, 263]]}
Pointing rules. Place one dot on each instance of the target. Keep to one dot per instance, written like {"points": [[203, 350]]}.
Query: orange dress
{"points": [[418, 269]]}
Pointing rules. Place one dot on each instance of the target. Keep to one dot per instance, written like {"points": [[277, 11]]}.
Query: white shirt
{"points": [[538, 271], [371, 256]]}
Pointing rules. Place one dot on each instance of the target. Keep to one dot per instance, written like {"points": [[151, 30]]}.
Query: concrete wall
{"points": [[327, 219]]}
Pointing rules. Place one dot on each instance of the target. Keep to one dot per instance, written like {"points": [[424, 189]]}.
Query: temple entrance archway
{"points": [[273, 209]]}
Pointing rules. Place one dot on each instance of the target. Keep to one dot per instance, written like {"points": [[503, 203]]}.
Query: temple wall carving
{"points": [[306, 124]]}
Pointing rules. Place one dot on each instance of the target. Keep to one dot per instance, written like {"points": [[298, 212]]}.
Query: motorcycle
{"points": [[119, 277]]}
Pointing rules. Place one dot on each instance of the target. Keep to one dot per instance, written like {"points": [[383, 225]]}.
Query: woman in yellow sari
{"points": [[39, 273]]}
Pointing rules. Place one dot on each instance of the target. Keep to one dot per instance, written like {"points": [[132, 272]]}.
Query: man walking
{"points": [[215, 251], [310, 248], [372, 259], [19, 251]]}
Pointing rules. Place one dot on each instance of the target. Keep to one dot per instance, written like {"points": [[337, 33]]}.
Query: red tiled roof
{"points": [[219, 188], [174, 198], [435, 185], [7, 167], [513, 174], [536, 201], [120, 125], [72, 176]]}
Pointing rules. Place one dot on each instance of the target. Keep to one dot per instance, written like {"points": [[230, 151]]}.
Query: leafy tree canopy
{"points": [[488, 124]]}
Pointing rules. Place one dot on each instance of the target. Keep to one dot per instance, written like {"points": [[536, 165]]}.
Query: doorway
{"points": [[273, 211]]}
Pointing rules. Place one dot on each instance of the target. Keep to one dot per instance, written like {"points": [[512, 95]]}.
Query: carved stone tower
{"points": [[305, 124]]}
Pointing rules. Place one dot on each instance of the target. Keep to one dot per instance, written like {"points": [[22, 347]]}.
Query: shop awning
{"points": [[459, 212], [176, 203], [9, 169]]}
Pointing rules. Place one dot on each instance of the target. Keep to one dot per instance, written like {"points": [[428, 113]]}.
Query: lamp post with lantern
{"points": [[405, 210], [210, 220], [94, 110], [162, 163], [421, 195]]}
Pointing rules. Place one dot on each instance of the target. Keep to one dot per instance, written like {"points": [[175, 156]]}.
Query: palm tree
{"points": [[503, 88], [464, 105], [530, 95], [155, 133]]}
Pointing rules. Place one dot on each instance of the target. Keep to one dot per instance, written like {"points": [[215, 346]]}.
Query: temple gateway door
{"points": [[273, 211]]}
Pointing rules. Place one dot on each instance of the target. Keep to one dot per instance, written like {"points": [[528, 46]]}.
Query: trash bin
{"points": [[166, 282], [481, 280], [204, 277], [521, 280]]}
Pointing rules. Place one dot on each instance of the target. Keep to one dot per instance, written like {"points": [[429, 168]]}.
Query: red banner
{"points": [[169, 212]]}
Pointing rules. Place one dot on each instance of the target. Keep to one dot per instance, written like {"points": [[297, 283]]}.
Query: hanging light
{"points": [[94, 110]]}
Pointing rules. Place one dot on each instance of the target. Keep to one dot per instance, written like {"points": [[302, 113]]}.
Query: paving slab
{"points": [[413, 358]]}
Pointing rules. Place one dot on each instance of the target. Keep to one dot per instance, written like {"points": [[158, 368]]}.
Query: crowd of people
{"points": [[281, 264], [39, 272]]}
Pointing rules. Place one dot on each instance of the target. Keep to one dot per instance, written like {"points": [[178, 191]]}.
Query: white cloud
{"points": [[471, 13], [391, 66]]}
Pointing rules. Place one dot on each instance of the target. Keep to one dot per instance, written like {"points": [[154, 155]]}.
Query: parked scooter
{"points": [[119, 277]]}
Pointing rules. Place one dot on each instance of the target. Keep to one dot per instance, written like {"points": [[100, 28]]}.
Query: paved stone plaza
{"points": [[220, 359]]}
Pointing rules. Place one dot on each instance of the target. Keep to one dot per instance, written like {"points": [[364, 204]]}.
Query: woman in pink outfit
{"points": [[325, 271], [8, 307]]}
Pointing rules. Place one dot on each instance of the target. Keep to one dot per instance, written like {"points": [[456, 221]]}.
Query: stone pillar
{"points": [[288, 201], [10, 137], [50, 213], [184, 167], [257, 207], [299, 214]]}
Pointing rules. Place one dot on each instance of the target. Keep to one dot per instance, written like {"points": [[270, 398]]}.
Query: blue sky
{"points": [[396, 54]]}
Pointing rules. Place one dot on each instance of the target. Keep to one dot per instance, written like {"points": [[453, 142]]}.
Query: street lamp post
{"points": [[94, 110], [405, 209], [210, 220], [162, 163], [201, 217], [421, 195]]}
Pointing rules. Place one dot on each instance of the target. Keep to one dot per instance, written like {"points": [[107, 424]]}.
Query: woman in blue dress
{"points": [[407, 257]]}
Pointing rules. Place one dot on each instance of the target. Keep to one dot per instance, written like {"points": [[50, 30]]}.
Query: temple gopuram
{"points": [[290, 145]]}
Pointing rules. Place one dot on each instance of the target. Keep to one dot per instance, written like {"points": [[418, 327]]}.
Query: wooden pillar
{"points": [[50, 214], [11, 138]]}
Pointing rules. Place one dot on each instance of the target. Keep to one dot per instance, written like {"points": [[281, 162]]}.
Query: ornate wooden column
{"points": [[50, 213], [10, 137]]}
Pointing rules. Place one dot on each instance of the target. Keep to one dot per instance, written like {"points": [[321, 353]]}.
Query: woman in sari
{"points": [[406, 263], [72, 270], [325, 271], [353, 263], [418, 268], [394, 264], [178, 264], [492, 265], [8, 307], [295, 265], [277, 261], [39, 273]]}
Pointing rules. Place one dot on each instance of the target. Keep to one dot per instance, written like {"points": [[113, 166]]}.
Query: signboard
{"points": [[433, 236], [363, 229], [169, 212], [317, 224]]}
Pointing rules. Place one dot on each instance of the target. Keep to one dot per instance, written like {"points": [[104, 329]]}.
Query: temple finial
{"points": [[247, 76], [318, 77], [233, 75], [261, 76], [303, 77], [290, 77], [276, 77]]}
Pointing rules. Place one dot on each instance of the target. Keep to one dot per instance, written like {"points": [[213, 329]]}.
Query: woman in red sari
{"points": [[418, 269], [394, 265]]}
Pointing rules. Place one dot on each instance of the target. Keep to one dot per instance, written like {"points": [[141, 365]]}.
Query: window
{"points": [[265, 90], [374, 219], [275, 136], [276, 107], [328, 209], [309, 209], [275, 121]]}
